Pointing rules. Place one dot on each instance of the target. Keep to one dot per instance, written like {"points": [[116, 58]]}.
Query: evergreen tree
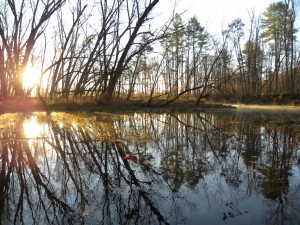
{"points": [[254, 65], [176, 43], [273, 27], [196, 39]]}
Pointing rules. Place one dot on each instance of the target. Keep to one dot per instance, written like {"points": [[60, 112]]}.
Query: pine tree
{"points": [[273, 25], [196, 39]]}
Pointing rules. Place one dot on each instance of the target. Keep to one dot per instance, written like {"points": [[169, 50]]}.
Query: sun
{"points": [[31, 77]]}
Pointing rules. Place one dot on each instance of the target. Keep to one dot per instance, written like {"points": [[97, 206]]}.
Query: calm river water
{"points": [[139, 168]]}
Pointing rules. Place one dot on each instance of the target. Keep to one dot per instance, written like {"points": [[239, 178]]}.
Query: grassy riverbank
{"points": [[114, 106], [120, 105]]}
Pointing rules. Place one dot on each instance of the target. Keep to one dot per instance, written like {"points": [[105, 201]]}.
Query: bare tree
{"points": [[127, 54], [21, 24]]}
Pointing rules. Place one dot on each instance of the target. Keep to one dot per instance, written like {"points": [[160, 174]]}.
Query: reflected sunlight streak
{"points": [[32, 128]]}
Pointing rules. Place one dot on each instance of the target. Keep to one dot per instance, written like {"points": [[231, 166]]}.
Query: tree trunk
{"points": [[3, 81], [116, 74]]}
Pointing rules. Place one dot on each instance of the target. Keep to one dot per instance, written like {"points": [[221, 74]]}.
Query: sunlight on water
{"points": [[32, 128], [205, 168]]}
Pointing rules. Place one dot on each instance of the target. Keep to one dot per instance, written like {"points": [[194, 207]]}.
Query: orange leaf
{"points": [[130, 157], [126, 157]]}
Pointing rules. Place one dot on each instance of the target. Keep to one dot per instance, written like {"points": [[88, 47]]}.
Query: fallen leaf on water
{"points": [[86, 213], [127, 157], [130, 157], [118, 189]]}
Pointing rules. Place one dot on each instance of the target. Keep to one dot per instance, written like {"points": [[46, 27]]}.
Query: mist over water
{"points": [[267, 107]]}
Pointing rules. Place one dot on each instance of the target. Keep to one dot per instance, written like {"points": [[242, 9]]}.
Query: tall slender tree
{"points": [[196, 39], [273, 25], [176, 43], [236, 33], [289, 31]]}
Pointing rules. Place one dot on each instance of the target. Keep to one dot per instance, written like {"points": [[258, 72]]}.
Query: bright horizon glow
{"points": [[31, 77]]}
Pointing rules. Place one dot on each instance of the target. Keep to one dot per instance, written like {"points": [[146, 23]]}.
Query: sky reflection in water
{"points": [[229, 168]]}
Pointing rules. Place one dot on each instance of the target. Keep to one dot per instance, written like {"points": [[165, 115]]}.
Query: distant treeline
{"points": [[110, 49]]}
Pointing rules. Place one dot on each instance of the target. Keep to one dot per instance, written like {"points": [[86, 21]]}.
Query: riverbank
{"points": [[34, 105], [115, 106]]}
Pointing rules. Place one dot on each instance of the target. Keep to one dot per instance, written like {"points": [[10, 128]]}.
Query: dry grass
{"points": [[90, 105]]}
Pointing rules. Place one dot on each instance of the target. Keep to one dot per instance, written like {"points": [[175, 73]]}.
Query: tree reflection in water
{"points": [[63, 168]]}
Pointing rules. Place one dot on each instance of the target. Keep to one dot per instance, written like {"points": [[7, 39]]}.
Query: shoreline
{"points": [[126, 107]]}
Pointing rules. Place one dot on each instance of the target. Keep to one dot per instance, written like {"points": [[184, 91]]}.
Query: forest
{"points": [[106, 50]]}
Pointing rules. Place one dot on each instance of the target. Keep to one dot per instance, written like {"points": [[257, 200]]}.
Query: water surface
{"points": [[140, 168]]}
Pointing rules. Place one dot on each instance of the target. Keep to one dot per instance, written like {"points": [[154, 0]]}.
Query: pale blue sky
{"points": [[216, 14]]}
